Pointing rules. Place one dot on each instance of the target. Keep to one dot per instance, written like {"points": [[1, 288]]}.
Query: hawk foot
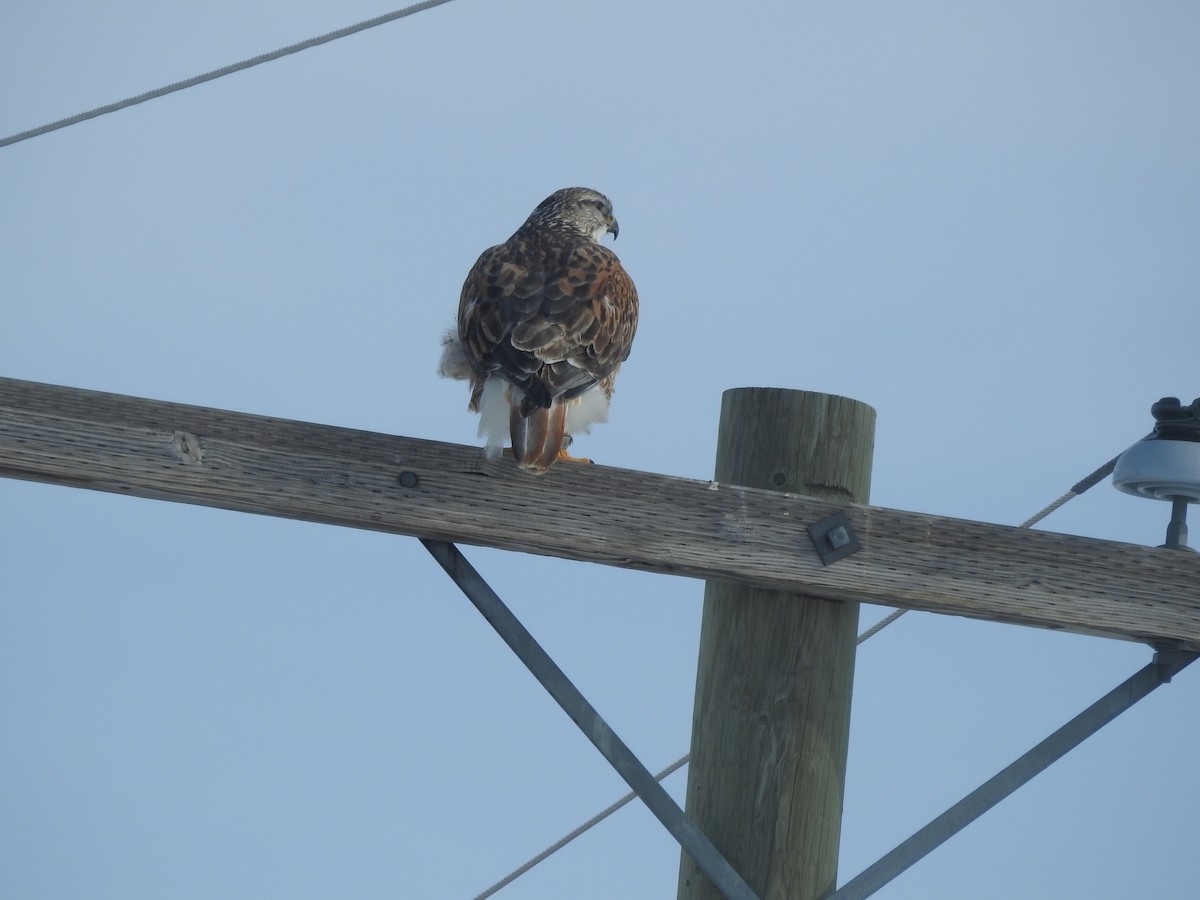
{"points": [[564, 456]]}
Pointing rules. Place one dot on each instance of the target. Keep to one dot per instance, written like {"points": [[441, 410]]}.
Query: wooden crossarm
{"points": [[620, 517]]}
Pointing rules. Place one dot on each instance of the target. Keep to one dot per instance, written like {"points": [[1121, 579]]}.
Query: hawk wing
{"points": [[553, 319]]}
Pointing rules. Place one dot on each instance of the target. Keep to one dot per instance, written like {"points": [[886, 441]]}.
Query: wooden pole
{"points": [[775, 670]]}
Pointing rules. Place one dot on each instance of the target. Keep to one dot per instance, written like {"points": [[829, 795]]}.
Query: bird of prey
{"points": [[544, 322]]}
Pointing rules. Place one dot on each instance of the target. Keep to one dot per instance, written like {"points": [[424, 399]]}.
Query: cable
{"points": [[1091, 481], [608, 811], [880, 625], [226, 70], [594, 820], [1095, 478]]}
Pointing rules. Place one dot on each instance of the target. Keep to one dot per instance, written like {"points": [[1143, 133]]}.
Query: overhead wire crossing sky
{"points": [[218, 73]]}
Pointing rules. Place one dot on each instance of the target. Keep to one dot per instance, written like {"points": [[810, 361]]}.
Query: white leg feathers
{"points": [[588, 409], [498, 398], [454, 363], [537, 438]]}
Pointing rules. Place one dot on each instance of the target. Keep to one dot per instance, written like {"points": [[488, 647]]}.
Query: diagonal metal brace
{"points": [[583, 714], [1166, 664]]}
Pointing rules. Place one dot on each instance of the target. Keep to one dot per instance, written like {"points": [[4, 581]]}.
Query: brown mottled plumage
{"points": [[544, 322]]}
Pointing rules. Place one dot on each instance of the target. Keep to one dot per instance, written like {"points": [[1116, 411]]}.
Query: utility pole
{"points": [[777, 646], [772, 713]]}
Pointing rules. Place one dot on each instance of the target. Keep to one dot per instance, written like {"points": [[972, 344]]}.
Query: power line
{"points": [[1078, 488], [562, 842], [1091, 480], [609, 810], [218, 73]]}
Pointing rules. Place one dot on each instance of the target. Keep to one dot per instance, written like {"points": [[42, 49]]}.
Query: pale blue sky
{"points": [[981, 219]]}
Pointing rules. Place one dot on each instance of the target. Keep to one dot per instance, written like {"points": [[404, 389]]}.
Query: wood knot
{"points": [[187, 447]]}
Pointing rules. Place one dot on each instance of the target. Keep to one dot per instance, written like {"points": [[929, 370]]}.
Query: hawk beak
{"points": [[614, 228]]}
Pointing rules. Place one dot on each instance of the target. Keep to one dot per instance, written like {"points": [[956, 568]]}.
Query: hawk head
{"points": [[582, 210]]}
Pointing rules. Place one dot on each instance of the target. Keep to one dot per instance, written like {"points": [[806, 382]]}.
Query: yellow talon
{"points": [[564, 456]]}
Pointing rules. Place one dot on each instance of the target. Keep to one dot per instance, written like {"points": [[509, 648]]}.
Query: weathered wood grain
{"points": [[775, 670], [640, 520]]}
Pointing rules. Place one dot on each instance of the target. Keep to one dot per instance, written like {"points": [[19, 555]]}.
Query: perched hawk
{"points": [[544, 322]]}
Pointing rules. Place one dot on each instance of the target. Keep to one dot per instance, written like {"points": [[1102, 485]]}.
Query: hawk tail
{"points": [[539, 437]]}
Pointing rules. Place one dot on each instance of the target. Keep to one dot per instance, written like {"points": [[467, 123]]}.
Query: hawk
{"points": [[544, 322]]}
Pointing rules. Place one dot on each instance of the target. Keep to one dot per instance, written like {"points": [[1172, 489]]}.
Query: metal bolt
{"points": [[838, 537], [409, 479], [834, 538]]}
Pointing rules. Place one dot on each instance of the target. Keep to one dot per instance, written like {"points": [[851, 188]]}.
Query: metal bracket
{"points": [[834, 538], [1167, 663], [583, 714]]}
